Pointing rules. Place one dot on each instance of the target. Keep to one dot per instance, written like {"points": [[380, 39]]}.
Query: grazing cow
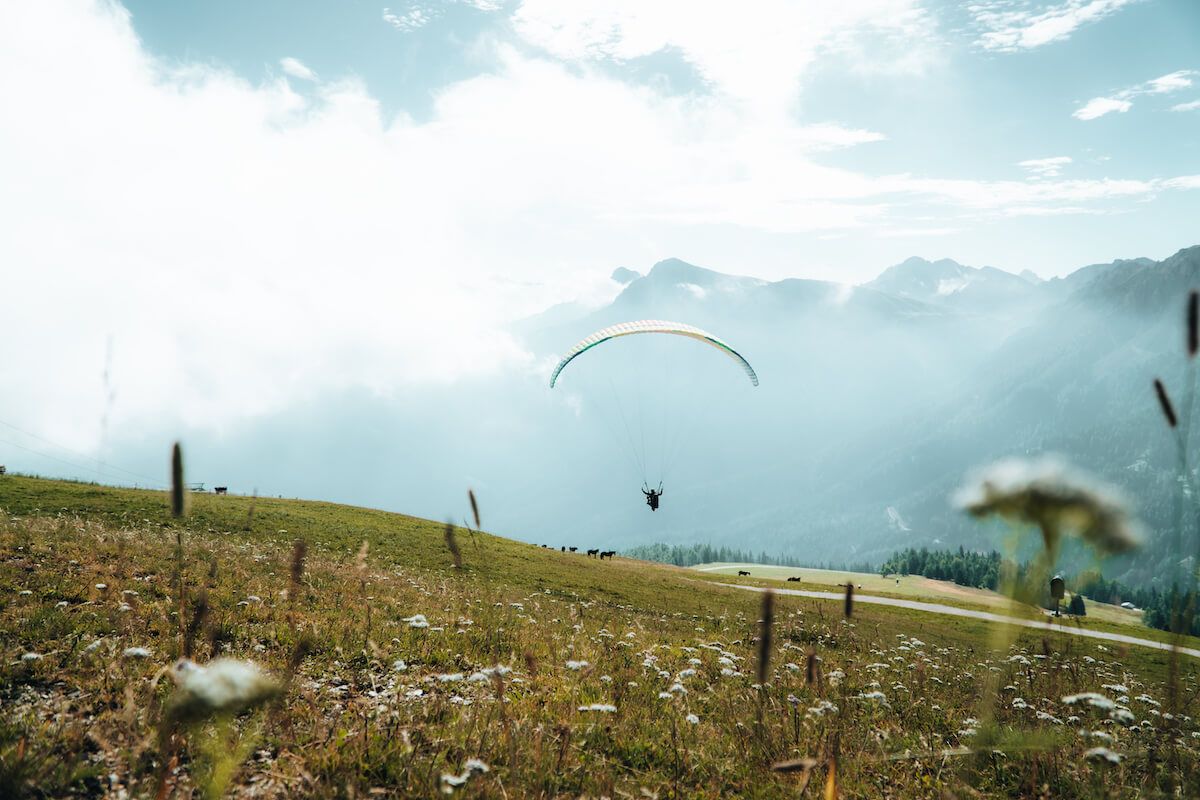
{"points": [[794, 578], [572, 549], [607, 554], [563, 548], [221, 489], [594, 552], [742, 572]]}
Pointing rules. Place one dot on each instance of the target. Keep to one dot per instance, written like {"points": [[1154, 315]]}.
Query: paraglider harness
{"points": [[652, 495]]}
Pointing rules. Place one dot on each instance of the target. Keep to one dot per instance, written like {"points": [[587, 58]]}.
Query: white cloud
{"points": [[906, 233], [1050, 211], [1099, 106], [1121, 101], [828, 136], [1045, 167], [1014, 25], [297, 69], [1183, 182], [755, 54], [1172, 82], [1193, 105], [246, 246], [411, 19]]}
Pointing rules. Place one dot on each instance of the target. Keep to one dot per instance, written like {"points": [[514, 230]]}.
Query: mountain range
{"points": [[877, 400]]}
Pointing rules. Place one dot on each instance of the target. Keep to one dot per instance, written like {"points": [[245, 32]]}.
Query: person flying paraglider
{"points": [[652, 496], [649, 461]]}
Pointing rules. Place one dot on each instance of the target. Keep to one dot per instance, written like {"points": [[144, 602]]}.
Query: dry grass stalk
{"points": [[804, 766], [178, 491], [474, 509], [250, 511], [452, 545], [299, 551], [1164, 402], [199, 614], [849, 606], [360, 563], [1193, 323], [765, 632]]}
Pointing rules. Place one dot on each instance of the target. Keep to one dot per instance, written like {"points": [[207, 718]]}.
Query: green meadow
{"points": [[409, 661]]}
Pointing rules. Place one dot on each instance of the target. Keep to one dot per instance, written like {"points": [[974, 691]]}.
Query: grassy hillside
{"points": [[618, 678]]}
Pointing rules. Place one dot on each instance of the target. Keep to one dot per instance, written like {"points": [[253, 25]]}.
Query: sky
{"points": [[213, 211]]}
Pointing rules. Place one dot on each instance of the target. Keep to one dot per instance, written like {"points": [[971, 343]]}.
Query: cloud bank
{"points": [[239, 247]]}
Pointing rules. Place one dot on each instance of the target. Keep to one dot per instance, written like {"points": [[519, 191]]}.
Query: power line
{"points": [[84, 467], [103, 464]]}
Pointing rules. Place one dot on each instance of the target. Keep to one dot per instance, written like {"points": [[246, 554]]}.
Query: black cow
{"points": [[742, 572], [221, 489], [793, 578], [594, 552], [572, 549], [607, 554]]}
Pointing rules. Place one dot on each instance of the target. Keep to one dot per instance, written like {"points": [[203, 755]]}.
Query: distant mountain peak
{"points": [[623, 275], [947, 282], [678, 269]]}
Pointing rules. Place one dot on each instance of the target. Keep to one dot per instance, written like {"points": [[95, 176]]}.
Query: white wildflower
{"points": [[416, 621], [693, 719], [1103, 754], [471, 767], [605, 707], [1049, 494], [576, 665], [136, 652], [821, 709], [222, 685], [1122, 716], [1093, 699]]}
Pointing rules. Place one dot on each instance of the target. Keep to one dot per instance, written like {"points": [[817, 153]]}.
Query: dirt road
{"points": [[937, 608]]}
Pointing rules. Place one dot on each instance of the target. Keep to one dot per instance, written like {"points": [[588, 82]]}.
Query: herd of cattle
{"points": [[603, 554], [793, 579]]}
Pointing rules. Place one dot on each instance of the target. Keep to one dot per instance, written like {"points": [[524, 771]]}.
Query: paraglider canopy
{"points": [[651, 326]]}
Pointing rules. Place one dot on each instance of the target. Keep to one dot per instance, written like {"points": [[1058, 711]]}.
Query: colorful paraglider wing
{"points": [[651, 326]]}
